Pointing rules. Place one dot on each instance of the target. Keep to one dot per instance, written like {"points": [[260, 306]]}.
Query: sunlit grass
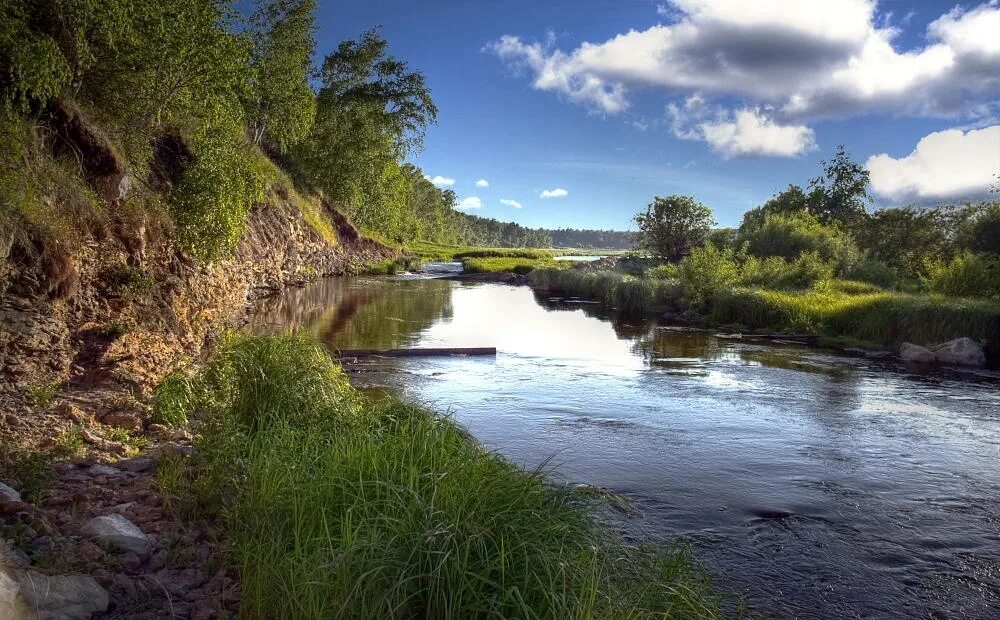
{"points": [[513, 265], [836, 308], [335, 507]]}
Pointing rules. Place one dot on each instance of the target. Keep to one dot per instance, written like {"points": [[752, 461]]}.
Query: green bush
{"points": [[706, 271], [666, 271], [875, 272], [966, 275], [777, 273], [338, 507], [790, 235], [213, 199]]}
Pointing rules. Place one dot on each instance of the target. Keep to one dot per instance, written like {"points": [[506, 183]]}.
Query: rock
{"points": [[916, 354], [72, 412], [180, 434], [960, 352], [100, 469], [29, 595], [9, 494], [137, 464], [122, 419], [119, 532]]}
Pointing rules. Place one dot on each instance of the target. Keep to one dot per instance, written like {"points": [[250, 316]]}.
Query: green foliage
{"points": [[338, 507], [371, 111], [966, 275], [978, 228], [211, 203], [280, 105], [875, 272], [905, 239], [707, 270], [671, 227], [841, 193], [790, 235], [807, 270], [33, 67]]}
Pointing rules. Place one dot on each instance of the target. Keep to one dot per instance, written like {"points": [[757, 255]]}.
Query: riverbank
{"points": [[417, 518]]}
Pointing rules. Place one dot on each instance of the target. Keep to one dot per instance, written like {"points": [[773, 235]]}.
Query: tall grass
{"points": [[338, 508], [513, 265], [835, 307]]}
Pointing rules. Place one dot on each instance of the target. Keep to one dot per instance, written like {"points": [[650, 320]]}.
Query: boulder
{"points": [[29, 595], [9, 494], [960, 352], [120, 533], [916, 354]]}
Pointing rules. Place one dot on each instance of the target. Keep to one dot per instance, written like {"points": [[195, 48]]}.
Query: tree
{"points": [[671, 227], [791, 200], [841, 194], [907, 239], [280, 104], [371, 111]]}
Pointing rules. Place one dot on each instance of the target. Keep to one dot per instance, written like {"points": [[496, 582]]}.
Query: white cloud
{"points": [[482, 183], [472, 202], [945, 165], [750, 132], [553, 193], [806, 59], [510, 203], [440, 181]]}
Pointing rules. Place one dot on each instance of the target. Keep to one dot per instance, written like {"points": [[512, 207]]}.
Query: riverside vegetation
{"points": [[336, 506], [813, 261]]}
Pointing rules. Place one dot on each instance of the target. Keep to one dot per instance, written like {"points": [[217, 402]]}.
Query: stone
{"points": [[122, 419], [9, 494], [29, 595], [960, 352], [120, 533], [100, 469], [137, 464], [72, 412], [916, 354]]}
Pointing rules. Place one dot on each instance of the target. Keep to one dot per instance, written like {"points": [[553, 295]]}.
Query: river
{"points": [[811, 484]]}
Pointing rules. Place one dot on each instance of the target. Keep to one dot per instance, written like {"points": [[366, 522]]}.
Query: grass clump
{"points": [[338, 507], [513, 265], [391, 267]]}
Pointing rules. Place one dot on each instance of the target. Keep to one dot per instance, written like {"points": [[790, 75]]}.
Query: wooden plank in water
{"points": [[423, 352]]}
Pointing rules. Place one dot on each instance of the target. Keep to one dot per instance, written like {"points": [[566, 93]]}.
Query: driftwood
{"points": [[425, 352], [809, 339]]}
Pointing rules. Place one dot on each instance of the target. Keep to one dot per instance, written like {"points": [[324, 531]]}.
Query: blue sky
{"points": [[656, 112]]}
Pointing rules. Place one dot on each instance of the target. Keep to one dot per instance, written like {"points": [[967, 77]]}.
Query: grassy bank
{"points": [[337, 507], [512, 265], [833, 308]]}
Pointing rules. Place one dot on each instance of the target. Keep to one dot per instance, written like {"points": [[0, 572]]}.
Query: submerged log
{"points": [[425, 352]]}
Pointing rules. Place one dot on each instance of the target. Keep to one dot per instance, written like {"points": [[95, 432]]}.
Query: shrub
{"points": [[666, 271], [706, 271], [875, 272], [790, 235], [966, 275], [777, 273], [213, 199]]}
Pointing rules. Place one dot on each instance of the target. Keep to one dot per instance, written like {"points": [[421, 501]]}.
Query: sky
{"points": [[577, 113]]}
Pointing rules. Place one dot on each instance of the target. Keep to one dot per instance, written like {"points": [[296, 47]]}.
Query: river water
{"points": [[812, 485]]}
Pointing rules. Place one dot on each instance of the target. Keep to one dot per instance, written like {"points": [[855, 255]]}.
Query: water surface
{"points": [[812, 484]]}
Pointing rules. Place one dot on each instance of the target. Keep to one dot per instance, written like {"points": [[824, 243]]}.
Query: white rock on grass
{"points": [[9, 494], [28, 595], [961, 352], [916, 354], [120, 533]]}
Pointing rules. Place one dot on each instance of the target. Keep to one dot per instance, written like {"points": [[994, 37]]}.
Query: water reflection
{"points": [[817, 485]]}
